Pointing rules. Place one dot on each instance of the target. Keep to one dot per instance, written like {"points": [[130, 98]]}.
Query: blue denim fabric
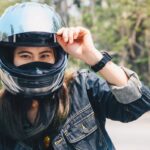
{"points": [[92, 102]]}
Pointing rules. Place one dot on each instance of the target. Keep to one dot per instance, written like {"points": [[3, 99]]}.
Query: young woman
{"points": [[40, 108]]}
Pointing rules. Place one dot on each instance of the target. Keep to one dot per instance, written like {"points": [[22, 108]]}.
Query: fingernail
{"points": [[66, 40], [75, 37], [71, 41]]}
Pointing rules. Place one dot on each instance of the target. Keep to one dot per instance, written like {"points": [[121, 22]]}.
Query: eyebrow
{"points": [[24, 51], [46, 51]]}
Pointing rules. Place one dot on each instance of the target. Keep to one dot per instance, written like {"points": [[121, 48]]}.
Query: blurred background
{"points": [[121, 27]]}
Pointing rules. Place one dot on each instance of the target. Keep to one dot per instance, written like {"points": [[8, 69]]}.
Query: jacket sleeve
{"points": [[124, 104]]}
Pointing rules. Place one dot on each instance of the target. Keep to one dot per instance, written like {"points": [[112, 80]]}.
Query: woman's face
{"points": [[24, 55]]}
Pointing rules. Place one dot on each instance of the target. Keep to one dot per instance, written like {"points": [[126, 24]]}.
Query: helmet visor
{"points": [[31, 39], [29, 17]]}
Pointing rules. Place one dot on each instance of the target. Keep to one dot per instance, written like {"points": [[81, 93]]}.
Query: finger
{"points": [[60, 31], [65, 35], [83, 31], [76, 33], [71, 35], [60, 41]]}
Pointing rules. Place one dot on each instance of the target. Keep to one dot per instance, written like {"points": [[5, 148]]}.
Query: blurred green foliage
{"points": [[123, 28], [5, 3]]}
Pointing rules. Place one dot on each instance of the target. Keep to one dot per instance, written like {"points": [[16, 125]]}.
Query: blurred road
{"points": [[130, 136]]}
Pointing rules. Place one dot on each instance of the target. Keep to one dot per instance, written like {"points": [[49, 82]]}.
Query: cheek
{"points": [[53, 58], [18, 61], [52, 61], [15, 61]]}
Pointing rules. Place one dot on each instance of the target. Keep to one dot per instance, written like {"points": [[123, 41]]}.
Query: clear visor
{"points": [[28, 17]]}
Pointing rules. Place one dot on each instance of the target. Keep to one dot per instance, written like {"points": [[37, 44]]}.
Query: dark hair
{"points": [[13, 112]]}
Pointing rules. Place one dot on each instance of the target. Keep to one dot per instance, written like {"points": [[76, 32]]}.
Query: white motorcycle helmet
{"points": [[31, 24]]}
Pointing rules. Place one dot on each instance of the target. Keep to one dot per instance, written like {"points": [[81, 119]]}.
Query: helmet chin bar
{"points": [[31, 94], [8, 82], [43, 91], [14, 85]]}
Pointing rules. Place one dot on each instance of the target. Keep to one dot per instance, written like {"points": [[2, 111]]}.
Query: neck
{"points": [[32, 112]]}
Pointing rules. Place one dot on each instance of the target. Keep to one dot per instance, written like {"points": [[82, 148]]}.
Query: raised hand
{"points": [[77, 41]]}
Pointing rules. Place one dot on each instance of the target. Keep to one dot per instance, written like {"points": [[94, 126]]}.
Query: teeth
{"points": [[9, 82]]}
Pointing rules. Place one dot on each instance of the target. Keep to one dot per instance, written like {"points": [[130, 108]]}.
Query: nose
{"points": [[35, 58]]}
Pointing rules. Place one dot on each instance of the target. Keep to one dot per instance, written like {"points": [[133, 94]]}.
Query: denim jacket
{"points": [[92, 101]]}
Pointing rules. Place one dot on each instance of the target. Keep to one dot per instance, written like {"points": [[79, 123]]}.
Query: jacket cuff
{"points": [[131, 91]]}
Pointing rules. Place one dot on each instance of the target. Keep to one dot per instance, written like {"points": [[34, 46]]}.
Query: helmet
{"points": [[31, 24]]}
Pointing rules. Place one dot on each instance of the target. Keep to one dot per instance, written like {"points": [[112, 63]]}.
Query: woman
{"points": [[39, 108]]}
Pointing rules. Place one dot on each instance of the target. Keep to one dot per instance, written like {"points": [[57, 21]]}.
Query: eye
{"points": [[46, 55], [25, 56]]}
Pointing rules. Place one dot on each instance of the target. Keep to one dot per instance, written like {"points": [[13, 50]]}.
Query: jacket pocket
{"points": [[84, 133], [81, 129]]}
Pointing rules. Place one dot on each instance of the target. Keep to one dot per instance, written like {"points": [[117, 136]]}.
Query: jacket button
{"points": [[85, 130], [47, 141]]}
